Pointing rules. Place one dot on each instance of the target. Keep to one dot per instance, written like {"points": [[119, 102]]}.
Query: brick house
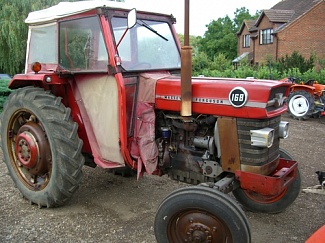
{"points": [[290, 25]]}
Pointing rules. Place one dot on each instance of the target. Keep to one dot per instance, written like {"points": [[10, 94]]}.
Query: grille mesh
{"points": [[251, 155]]}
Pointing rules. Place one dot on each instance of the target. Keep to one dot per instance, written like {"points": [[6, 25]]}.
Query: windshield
{"points": [[149, 45]]}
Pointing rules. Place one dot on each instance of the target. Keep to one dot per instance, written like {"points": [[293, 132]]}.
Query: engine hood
{"points": [[245, 98]]}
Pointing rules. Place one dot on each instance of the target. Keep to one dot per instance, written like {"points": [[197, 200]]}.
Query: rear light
{"points": [[36, 67]]}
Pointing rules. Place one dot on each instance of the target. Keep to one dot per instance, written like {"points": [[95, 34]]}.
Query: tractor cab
{"points": [[100, 39]]}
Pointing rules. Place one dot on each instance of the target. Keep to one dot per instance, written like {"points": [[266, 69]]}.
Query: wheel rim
{"points": [[194, 225], [29, 150], [299, 105], [264, 199]]}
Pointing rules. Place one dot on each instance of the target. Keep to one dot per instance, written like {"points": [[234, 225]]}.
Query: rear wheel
{"points": [[301, 105], [270, 204], [200, 214], [41, 147]]}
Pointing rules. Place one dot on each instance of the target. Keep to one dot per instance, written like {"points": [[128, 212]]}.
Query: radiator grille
{"points": [[251, 155]]}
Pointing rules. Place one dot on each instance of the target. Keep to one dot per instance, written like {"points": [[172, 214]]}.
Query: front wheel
{"points": [[41, 147], [255, 202], [200, 214]]}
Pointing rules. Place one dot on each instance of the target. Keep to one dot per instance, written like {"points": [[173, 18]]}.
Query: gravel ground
{"points": [[110, 208]]}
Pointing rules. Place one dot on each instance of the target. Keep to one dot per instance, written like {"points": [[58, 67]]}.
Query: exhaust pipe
{"points": [[186, 67]]}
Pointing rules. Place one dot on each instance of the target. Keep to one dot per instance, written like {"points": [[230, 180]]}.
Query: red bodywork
{"points": [[270, 185], [318, 236], [210, 96]]}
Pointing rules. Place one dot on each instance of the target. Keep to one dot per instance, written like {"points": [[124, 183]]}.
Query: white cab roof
{"points": [[64, 9]]}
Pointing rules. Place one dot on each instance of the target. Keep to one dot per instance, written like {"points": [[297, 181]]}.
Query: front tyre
{"points": [[270, 204], [200, 214], [41, 147]]}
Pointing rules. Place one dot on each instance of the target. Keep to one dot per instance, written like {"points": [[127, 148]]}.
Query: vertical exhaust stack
{"points": [[186, 67]]}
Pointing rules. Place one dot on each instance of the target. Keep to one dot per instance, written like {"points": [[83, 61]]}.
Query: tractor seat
{"points": [[310, 82]]}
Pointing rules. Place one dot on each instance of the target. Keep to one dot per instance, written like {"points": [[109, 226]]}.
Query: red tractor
{"points": [[103, 86]]}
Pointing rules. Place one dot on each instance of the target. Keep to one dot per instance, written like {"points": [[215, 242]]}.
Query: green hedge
{"points": [[289, 66], [4, 91], [264, 72]]}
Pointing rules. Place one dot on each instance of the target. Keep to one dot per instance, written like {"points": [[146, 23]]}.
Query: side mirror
{"points": [[132, 18]]}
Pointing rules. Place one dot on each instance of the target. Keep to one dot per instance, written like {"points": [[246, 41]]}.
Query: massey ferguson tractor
{"points": [[110, 86]]}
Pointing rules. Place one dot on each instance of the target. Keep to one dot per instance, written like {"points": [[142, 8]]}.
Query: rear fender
{"points": [[19, 83], [298, 87], [60, 87], [39, 79]]}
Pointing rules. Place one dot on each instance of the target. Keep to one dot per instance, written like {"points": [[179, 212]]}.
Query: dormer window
{"points": [[246, 41], [266, 36]]}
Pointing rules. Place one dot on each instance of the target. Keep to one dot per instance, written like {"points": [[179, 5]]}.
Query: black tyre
{"points": [[322, 119], [200, 214], [270, 204], [301, 105], [41, 147]]}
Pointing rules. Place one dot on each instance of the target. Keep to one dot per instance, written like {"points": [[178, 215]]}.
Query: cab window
{"points": [[82, 46], [42, 44]]}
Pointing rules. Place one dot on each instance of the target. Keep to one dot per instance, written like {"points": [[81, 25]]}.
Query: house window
{"points": [[266, 36], [246, 41]]}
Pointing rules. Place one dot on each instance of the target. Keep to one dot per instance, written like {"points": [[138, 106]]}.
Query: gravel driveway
{"points": [[110, 208]]}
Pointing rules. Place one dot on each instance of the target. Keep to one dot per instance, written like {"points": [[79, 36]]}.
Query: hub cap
{"points": [[299, 105]]}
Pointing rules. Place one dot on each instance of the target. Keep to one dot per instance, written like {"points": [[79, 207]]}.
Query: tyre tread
{"points": [[69, 158]]}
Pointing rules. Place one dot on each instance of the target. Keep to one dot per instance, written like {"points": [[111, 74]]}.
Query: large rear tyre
{"points": [[41, 147], [200, 214], [301, 105], [270, 204]]}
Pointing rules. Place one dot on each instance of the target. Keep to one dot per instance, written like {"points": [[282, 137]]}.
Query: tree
{"points": [[242, 14], [193, 42], [200, 62], [13, 31], [219, 38]]}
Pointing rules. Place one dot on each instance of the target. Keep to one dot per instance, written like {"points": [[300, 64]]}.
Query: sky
{"points": [[202, 12]]}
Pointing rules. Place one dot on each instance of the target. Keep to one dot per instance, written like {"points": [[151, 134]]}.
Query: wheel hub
{"points": [[27, 149], [33, 149], [200, 233], [193, 226]]}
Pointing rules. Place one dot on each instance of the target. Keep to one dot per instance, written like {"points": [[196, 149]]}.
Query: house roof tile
{"points": [[295, 8], [299, 7], [285, 12], [249, 23], [279, 16]]}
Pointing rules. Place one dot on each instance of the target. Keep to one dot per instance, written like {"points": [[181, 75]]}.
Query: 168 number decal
{"points": [[238, 97]]}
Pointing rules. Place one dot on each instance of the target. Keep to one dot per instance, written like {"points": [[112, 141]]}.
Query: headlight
{"points": [[262, 138], [283, 129]]}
